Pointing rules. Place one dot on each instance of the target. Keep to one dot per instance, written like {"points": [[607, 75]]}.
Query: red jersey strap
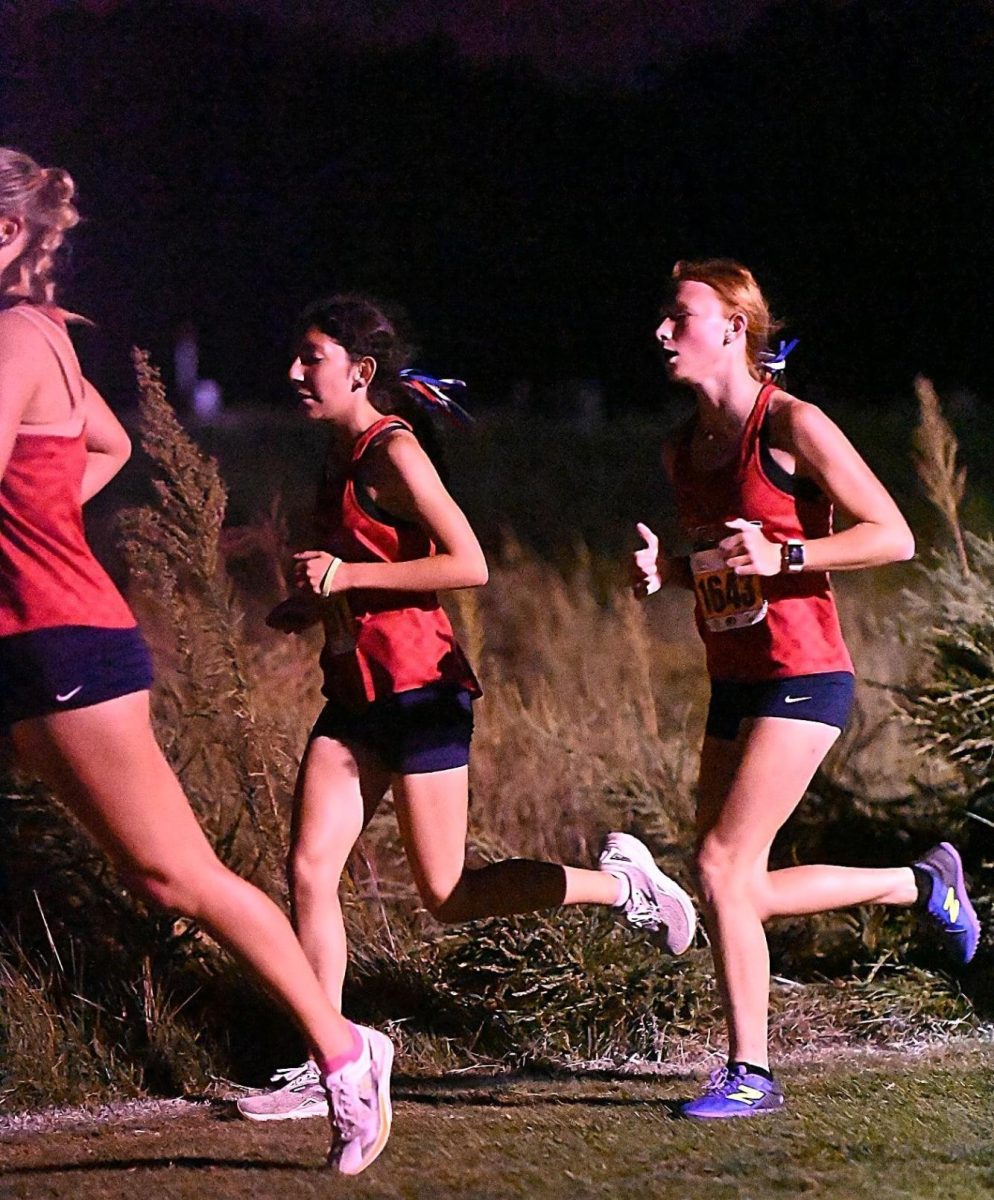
{"points": [[754, 423], [368, 436]]}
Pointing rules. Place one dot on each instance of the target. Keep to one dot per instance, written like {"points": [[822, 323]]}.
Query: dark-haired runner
{"points": [[399, 689]]}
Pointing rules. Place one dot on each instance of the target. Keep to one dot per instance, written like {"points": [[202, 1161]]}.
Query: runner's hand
{"points": [[309, 570], [645, 564], [747, 552]]}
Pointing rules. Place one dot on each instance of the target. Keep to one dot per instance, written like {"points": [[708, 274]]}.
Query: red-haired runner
{"points": [[756, 475]]}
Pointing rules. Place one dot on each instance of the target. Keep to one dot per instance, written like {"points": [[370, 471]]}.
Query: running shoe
{"points": [[656, 904], [734, 1093], [359, 1104], [298, 1095], [948, 906]]}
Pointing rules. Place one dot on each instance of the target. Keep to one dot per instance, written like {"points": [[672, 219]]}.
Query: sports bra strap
{"points": [[45, 324]]}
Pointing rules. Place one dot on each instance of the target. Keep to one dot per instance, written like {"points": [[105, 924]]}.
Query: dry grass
{"points": [[935, 452], [206, 698], [571, 723]]}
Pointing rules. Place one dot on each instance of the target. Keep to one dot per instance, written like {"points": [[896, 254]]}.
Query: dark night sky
{"points": [[232, 165], [572, 39]]}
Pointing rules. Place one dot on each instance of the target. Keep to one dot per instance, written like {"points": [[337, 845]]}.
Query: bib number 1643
{"points": [[727, 601]]}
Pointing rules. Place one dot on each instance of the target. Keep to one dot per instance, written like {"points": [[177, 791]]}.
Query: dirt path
{"points": [[882, 1126]]}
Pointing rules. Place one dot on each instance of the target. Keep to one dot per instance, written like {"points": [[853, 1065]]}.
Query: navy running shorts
{"points": [[826, 697], [411, 733], [46, 671]]}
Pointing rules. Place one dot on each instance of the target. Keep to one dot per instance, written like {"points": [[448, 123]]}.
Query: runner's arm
{"points": [[408, 487], [108, 446], [879, 533]]}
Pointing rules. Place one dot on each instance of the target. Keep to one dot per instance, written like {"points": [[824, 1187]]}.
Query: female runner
{"points": [[75, 672], [399, 690], [756, 473]]}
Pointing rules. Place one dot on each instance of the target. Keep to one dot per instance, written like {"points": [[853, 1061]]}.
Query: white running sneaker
{"points": [[359, 1101], [299, 1095], [656, 904]]}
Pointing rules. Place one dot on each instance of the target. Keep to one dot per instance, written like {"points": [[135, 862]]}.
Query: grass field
{"points": [[880, 1125]]}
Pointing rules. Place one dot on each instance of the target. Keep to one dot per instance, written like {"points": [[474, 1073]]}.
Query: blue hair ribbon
{"points": [[435, 395], [775, 361]]}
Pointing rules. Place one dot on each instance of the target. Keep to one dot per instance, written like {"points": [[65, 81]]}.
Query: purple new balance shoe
{"points": [[734, 1092], [947, 906]]}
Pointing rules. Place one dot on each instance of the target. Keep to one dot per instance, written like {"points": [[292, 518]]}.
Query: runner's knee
{"points": [[722, 874], [315, 872]]}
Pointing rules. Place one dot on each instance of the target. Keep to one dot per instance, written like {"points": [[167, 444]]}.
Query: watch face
{"points": [[794, 556]]}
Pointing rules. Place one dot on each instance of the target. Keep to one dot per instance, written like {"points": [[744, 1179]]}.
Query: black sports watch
{"points": [[792, 556]]}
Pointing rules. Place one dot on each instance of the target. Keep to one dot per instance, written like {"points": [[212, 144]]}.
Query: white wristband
{"points": [[324, 587]]}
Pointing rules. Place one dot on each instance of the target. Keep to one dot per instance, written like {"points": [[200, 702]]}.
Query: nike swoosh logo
{"points": [[69, 695], [795, 699]]}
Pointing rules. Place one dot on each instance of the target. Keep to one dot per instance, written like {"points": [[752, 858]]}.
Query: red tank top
{"points": [[403, 640], [800, 632], [48, 575]]}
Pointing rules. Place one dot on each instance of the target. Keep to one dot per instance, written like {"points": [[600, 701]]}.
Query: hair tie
{"points": [[775, 361], [434, 395]]}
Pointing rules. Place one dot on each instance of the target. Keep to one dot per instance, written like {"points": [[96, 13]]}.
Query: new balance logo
{"points": [[746, 1094], [951, 906]]}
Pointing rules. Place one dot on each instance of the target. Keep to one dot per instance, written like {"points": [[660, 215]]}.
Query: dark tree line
{"points": [[230, 170]]}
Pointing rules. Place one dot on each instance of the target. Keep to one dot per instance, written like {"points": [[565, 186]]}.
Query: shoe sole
{"points": [[320, 1111], [677, 908], [381, 1052], [733, 1116]]}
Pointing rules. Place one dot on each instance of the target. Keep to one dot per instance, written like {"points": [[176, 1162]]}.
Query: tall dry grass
{"points": [[207, 698], [936, 453], [950, 704]]}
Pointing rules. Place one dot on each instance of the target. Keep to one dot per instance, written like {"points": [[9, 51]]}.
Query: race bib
{"points": [[339, 625], [728, 601]]}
